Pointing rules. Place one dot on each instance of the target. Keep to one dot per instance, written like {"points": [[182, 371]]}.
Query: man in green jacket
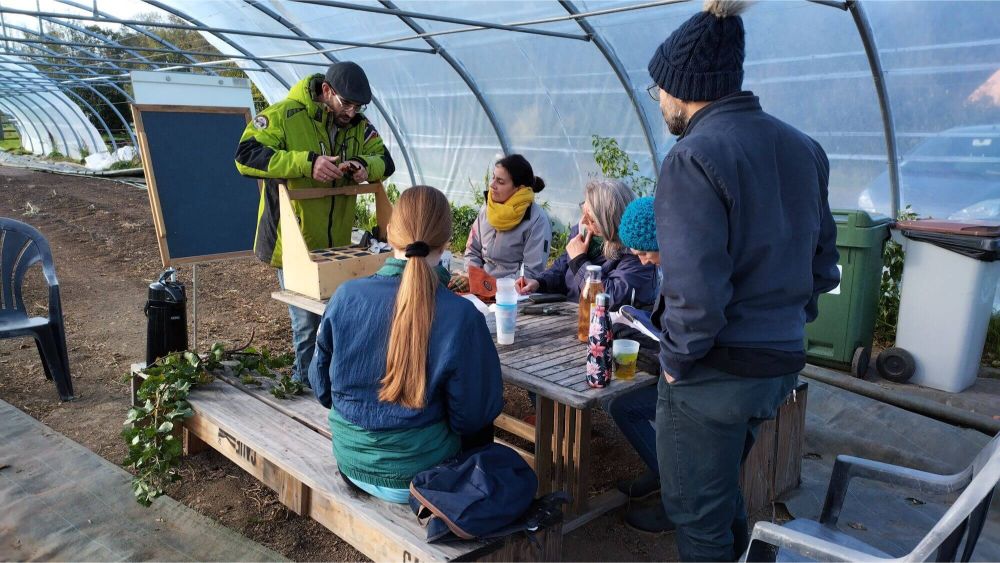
{"points": [[316, 137]]}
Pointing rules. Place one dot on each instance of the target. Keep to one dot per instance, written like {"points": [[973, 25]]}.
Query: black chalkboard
{"points": [[202, 208]]}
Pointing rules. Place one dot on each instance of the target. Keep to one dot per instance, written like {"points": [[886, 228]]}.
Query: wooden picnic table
{"points": [[548, 359]]}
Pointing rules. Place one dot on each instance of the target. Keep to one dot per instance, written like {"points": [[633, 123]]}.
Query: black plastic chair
{"points": [[22, 246]]}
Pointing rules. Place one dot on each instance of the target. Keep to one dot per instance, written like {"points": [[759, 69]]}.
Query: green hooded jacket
{"points": [[280, 145]]}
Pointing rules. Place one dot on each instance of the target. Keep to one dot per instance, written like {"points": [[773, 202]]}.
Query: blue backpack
{"points": [[481, 493]]}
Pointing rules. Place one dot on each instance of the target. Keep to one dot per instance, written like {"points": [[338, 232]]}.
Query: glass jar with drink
{"points": [[588, 294]]}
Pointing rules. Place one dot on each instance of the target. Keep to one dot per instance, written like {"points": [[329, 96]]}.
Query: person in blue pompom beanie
{"points": [[637, 230], [742, 201]]}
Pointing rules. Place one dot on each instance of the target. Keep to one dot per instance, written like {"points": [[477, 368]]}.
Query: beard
{"points": [[676, 123], [342, 120]]}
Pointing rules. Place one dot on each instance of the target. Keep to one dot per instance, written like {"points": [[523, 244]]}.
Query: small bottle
{"points": [[600, 361], [588, 293]]}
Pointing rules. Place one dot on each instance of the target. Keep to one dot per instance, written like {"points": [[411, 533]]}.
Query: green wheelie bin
{"points": [[841, 336]]}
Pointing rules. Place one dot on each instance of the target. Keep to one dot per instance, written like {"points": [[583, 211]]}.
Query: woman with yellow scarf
{"points": [[511, 228]]}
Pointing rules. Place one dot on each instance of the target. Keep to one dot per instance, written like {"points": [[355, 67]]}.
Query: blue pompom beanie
{"points": [[702, 60], [638, 226]]}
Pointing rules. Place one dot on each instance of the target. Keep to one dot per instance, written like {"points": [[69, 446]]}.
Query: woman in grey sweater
{"points": [[511, 229]]}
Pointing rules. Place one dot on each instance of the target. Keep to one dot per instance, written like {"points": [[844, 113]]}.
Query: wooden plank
{"points": [[542, 330], [525, 356], [789, 442], [599, 505], [247, 458], [316, 306], [252, 434], [559, 447], [757, 471], [517, 427], [582, 491], [547, 389], [211, 257], [543, 444], [191, 443], [558, 355], [571, 452], [303, 408]]}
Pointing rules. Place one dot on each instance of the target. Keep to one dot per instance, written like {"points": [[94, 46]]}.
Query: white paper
{"points": [[617, 317]]}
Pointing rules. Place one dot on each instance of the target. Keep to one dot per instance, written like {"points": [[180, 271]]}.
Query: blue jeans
{"points": [[705, 427], [634, 413], [304, 326]]}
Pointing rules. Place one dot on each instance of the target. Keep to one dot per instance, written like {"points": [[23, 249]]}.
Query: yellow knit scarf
{"points": [[507, 215]]}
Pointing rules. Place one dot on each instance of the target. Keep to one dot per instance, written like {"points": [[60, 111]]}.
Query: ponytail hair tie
{"points": [[417, 248]]}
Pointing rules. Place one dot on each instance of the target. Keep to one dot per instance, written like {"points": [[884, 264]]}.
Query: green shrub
{"points": [[560, 238], [892, 275], [364, 208], [991, 351], [126, 164], [462, 217], [616, 163]]}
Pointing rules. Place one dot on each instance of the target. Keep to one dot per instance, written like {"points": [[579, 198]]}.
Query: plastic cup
{"points": [[506, 323], [626, 353]]}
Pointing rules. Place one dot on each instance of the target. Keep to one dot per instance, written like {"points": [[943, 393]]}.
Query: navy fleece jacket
{"points": [[464, 386], [620, 277], [747, 241]]}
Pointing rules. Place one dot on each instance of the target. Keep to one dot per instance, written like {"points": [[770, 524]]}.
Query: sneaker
{"points": [[643, 486], [649, 519]]}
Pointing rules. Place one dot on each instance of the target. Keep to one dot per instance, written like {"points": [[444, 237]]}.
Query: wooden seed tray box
{"points": [[318, 273]]}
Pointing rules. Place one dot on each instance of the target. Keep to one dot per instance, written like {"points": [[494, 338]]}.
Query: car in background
{"points": [[952, 175]]}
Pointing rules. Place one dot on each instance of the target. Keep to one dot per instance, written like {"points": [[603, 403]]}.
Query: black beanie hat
{"points": [[350, 82], [702, 60]]}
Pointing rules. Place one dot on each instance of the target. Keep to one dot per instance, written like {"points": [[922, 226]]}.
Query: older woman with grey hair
{"points": [[595, 241]]}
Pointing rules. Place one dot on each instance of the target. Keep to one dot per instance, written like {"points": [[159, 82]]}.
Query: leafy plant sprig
{"points": [[154, 448], [286, 387], [616, 163], [889, 292]]}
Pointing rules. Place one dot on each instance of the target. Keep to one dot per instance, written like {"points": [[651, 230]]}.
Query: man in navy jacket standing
{"points": [[747, 244]]}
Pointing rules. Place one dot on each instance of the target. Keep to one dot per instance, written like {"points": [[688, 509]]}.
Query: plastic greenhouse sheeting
{"points": [[446, 115], [48, 121], [551, 94]]}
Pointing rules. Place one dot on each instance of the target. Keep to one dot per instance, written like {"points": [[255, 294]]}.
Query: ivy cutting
{"points": [[154, 448]]}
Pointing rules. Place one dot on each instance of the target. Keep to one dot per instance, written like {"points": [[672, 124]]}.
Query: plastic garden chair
{"points": [[21, 246], [800, 540]]}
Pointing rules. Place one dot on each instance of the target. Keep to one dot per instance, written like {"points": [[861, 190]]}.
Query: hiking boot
{"points": [[649, 519], [643, 486]]}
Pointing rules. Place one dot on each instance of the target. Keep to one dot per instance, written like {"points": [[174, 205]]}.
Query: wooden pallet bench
{"points": [[285, 444]]}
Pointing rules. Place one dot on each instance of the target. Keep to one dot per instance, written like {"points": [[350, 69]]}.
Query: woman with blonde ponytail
{"points": [[407, 368]]}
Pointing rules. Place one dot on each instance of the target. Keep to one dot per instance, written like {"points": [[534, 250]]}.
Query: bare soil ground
{"points": [[103, 241]]}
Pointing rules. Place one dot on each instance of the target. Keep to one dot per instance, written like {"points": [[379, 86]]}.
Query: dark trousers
{"points": [[634, 413], [705, 427]]}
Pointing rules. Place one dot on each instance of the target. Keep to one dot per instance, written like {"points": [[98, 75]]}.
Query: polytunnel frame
{"points": [[24, 99], [97, 142], [854, 7], [83, 81], [81, 117]]}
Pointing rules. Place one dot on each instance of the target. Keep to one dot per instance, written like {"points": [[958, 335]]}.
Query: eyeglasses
{"points": [[654, 92], [358, 108]]}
